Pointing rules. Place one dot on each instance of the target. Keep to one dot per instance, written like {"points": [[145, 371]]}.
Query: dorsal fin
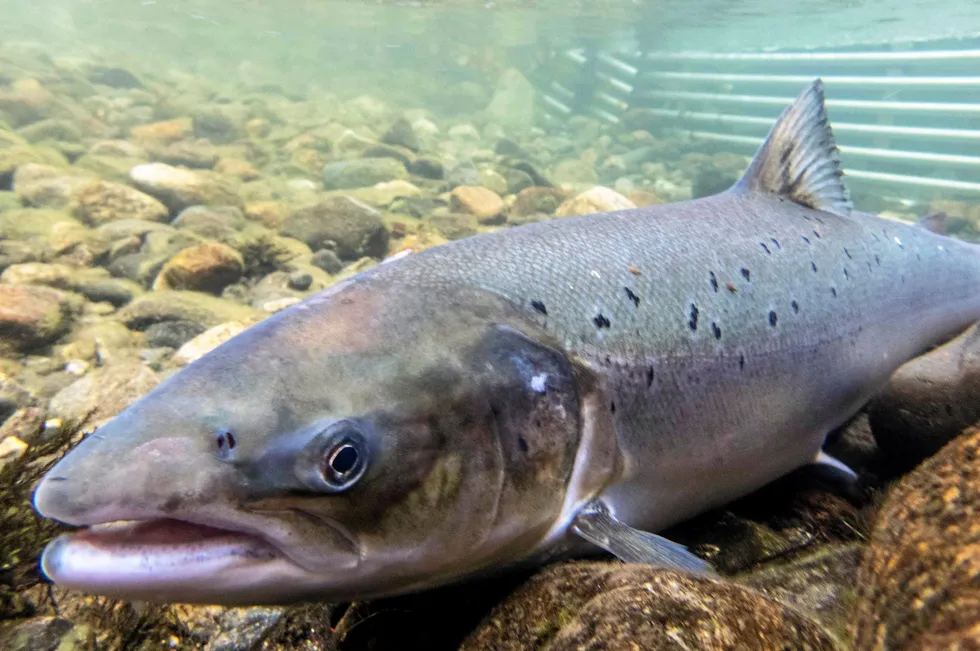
{"points": [[799, 159]]}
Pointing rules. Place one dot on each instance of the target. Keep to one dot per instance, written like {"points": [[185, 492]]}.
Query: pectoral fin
{"points": [[596, 524], [835, 467]]}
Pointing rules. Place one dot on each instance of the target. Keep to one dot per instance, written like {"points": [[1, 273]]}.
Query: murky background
{"points": [[172, 172]]}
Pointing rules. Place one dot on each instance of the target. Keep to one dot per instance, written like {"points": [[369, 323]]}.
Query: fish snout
{"points": [[151, 479]]}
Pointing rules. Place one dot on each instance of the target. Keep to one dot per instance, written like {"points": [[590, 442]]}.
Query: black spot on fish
{"points": [[716, 330], [833, 290], [612, 407], [714, 281], [522, 444], [813, 265], [796, 307], [765, 248], [693, 321], [877, 260], [649, 376], [805, 239], [772, 318], [745, 273], [817, 234], [601, 321], [775, 241], [539, 306], [172, 503], [741, 362], [633, 297], [846, 275], [847, 253]]}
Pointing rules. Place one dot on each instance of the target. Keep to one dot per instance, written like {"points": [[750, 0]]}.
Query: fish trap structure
{"points": [[907, 116]]}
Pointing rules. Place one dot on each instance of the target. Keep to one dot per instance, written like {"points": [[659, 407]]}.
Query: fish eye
{"points": [[335, 459], [343, 462]]}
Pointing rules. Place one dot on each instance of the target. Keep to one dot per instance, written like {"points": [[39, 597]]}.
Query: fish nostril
{"points": [[226, 444]]}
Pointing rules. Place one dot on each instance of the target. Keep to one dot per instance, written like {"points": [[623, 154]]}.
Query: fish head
{"points": [[369, 441]]}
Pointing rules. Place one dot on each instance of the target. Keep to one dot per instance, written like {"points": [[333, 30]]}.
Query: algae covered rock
{"points": [[618, 607], [104, 392], [32, 316], [361, 173], [928, 402], [207, 267], [349, 227], [104, 201], [918, 586], [179, 188], [598, 199], [486, 205], [182, 305]]}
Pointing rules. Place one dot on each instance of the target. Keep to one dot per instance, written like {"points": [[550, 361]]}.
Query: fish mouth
{"points": [[133, 558]]}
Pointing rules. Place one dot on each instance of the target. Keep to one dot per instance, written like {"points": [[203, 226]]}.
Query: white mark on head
{"points": [[538, 382], [899, 243]]}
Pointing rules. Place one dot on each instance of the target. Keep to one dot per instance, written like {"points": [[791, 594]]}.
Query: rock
{"points": [[167, 131], [400, 154], [426, 167], [494, 181], [207, 267], [26, 101], [197, 154], [157, 247], [172, 334], [32, 316], [114, 77], [13, 396], [199, 308], [300, 281], [15, 155], [270, 214], [94, 284], [210, 339], [213, 222], [104, 392], [238, 168], [574, 172], [618, 607], [361, 173], [179, 188], [258, 128], [485, 204], [598, 199], [40, 634], [918, 586], [327, 260], [52, 129], [217, 125], [280, 285], [513, 99], [454, 225], [517, 180], [928, 402], [534, 200], [102, 342], [103, 201], [353, 228], [384, 194], [45, 186], [11, 449], [118, 149], [820, 584], [400, 133]]}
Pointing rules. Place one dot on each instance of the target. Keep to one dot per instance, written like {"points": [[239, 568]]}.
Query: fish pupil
{"points": [[343, 460]]}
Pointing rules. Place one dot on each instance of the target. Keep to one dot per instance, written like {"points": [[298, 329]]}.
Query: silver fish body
{"points": [[498, 399]]}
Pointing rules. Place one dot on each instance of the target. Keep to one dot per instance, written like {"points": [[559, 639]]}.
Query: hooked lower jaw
{"points": [[160, 560]]}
